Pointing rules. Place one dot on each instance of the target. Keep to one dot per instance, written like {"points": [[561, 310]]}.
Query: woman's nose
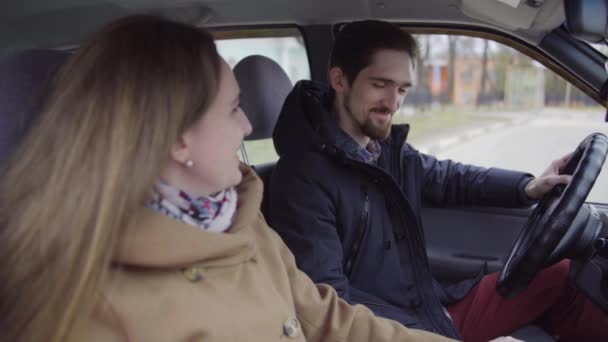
{"points": [[247, 128]]}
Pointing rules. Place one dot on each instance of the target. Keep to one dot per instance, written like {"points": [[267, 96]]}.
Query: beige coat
{"points": [[178, 283]]}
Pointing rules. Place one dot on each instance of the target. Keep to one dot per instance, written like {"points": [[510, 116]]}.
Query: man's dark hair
{"points": [[356, 43]]}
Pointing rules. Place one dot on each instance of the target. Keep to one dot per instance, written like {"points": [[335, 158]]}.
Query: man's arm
{"points": [[446, 182]]}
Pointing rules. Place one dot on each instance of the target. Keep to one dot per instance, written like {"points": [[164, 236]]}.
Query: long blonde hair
{"points": [[114, 111]]}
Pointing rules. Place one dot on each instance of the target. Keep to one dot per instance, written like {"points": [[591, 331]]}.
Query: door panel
{"points": [[460, 240]]}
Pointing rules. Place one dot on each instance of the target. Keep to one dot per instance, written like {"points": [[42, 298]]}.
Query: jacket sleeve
{"points": [[447, 182], [303, 212], [326, 317]]}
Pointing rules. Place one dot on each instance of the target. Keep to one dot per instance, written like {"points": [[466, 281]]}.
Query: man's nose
{"points": [[393, 100]]}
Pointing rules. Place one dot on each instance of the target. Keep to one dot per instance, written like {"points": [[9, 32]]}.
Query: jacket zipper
{"points": [[361, 232], [382, 305], [408, 234], [374, 171]]}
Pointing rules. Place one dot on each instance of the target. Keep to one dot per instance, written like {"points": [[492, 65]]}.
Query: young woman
{"points": [[126, 215]]}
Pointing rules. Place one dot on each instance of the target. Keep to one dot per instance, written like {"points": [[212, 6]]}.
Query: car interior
{"points": [[36, 37]]}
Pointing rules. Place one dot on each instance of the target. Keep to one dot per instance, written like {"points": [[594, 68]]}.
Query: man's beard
{"points": [[367, 127], [376, 132]]}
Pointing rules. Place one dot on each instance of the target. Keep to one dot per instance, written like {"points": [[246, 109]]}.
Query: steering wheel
{"points": [[554, 214]]}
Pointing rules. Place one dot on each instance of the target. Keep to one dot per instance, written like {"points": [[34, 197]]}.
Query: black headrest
{"points": [[264, 87], [24, 78]]}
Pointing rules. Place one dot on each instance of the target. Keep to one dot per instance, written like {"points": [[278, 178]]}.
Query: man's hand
{"points": [[538, 187]]}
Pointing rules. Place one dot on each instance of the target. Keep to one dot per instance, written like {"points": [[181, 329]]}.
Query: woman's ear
{"points": [[179, 151], [337, 79]]}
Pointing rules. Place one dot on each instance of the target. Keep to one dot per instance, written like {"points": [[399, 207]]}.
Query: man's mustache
{"points": [[382, 110]]}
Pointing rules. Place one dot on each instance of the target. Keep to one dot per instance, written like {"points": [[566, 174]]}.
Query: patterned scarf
{"points": [[213, 213]]}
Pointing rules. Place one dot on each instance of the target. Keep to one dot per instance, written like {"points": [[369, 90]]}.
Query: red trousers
{"points": [[550, 301]]}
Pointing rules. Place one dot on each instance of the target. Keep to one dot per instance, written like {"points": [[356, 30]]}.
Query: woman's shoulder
{"points": [[268, 242]]}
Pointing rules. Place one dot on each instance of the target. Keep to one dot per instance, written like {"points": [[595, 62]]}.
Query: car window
{"points": [[285, 46], [480, 102]]}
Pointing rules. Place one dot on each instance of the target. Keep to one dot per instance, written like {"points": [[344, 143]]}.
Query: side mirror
{"points": [[587, 19]]}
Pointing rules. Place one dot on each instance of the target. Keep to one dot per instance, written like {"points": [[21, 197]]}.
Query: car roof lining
{"points": [[33, 23]]}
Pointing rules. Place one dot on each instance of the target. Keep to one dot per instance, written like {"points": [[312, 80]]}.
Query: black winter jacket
{"points": [[357, 226]]}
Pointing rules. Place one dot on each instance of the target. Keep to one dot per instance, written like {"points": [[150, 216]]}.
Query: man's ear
{"points": [[337, 80], [179, 151]]}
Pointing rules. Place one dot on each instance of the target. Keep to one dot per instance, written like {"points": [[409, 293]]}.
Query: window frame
{"points": [[254, 32]]}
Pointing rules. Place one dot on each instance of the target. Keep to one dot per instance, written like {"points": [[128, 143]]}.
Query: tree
{"points": [[484, 72], [424, 51], [452, 42]]}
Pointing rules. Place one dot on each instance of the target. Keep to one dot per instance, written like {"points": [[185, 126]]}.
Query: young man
{"points": [[347, 191]]}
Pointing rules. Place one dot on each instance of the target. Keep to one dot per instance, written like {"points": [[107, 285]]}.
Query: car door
{"points": [[484, 103]]}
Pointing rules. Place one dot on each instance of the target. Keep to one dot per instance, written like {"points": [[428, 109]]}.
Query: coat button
{"points": [[291, 328], [193, 274]]}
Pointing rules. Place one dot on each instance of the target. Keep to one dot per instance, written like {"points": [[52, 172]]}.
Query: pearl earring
{"points": [[189, 163]]}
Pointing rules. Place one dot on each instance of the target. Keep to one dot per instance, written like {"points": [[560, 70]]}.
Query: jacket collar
{"points": [[301, 119], [305, 122], [156, 240]]}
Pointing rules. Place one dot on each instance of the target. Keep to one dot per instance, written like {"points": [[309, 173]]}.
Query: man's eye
{"points": [[379, 85]]}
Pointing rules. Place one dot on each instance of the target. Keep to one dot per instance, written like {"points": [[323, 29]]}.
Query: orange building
{"points": [[467, 79]]}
